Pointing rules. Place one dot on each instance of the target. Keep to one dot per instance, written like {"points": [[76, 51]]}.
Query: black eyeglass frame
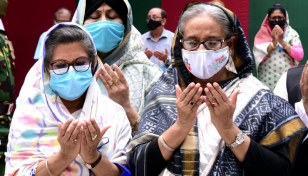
{"points": [[221, 42], [71, 64]]}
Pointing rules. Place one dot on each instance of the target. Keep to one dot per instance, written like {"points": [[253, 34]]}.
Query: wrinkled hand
{"points": [[222, 113], [161, 56], [187, 113], [89, 146], [68, 132], [148, 52], [304, 87], [119, 90]]}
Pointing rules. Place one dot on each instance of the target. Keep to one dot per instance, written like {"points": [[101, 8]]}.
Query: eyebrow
{"points": [[60, 59], [209, 37]]}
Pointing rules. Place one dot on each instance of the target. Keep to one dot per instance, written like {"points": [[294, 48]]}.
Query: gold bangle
{"points": [[286, 47], [272, 45], [136, 122]]}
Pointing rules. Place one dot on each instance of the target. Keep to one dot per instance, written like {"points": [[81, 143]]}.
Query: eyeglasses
{"points": [[80, 65], [192, 45], [153, 18], [276, 18]]}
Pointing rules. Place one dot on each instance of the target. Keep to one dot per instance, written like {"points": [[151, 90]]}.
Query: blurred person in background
{"points": [[218, 2], [158, 41], [61, 15], [7, 86], [277, 47]]}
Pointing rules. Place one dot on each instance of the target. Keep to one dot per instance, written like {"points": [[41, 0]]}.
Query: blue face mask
{"points": [[106, 35], [72, 84]]}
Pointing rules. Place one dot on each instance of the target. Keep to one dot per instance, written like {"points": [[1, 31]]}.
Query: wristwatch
{"points": [[240, 138], [91, 166]]}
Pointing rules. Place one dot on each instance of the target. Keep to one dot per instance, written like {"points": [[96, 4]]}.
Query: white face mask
{"points": [[204, 64]]}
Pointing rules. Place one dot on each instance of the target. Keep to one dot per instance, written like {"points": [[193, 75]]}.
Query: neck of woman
{"points": [[75, 105], [222, 75]]}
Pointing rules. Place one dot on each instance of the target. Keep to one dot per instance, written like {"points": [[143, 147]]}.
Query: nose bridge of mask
{"points": [[106, 35]]}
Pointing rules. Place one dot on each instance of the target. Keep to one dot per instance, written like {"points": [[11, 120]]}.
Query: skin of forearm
{"points": [[284, 44], [56, 165], [105, 167], [173, 137], [229, 136]]}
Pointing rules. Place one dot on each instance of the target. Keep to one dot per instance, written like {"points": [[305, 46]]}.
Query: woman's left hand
{"points": [[221, 108], [91, 137], [116, 85]]}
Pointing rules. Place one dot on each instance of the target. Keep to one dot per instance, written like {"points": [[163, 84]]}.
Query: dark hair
{"points": [[277, 7], [62, 8], [163, 13], [65, 35]]}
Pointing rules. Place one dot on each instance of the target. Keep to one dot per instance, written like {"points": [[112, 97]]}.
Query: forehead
{"points": [[63, 14], [155, 11], [68, 52], [203, 27], [277, 13], [104, 6]]}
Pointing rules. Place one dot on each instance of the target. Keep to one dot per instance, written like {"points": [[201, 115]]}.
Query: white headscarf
{"points": [[33, 132]]}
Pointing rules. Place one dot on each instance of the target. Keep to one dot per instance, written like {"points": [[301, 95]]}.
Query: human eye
{"points": [[59, 65], [81, 62], [213, 44]]}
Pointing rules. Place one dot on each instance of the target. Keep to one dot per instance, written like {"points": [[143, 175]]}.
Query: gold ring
{"points": [[73, 139], [116, 81], [93, 138], [111, 83], [214, 105]]}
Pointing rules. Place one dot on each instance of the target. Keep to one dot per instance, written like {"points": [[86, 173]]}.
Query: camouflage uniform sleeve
{"points": [[7, 86]]}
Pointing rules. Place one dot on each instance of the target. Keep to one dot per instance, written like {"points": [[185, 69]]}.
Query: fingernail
{"points": [[92, 119], [198, 84]]}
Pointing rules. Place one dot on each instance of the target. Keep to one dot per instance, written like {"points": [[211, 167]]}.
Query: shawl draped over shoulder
{"points": [[34, 130], [264, 117]]}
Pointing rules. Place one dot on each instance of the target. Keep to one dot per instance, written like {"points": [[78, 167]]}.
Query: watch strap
{"points": [[97, 161]]}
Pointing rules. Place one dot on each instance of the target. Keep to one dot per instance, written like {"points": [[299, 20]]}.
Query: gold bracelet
{"points": [[136, 122], [272, 45], [286, 47]]}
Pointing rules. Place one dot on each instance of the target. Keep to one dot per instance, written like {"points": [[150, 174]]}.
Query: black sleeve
{"points": [[155, 160], [262, 161]]}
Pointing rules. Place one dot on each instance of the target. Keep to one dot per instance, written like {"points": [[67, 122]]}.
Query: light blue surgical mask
{"points": [[72, 84], [107, 35]]}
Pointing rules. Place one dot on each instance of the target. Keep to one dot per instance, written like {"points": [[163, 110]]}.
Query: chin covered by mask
{"points": [[152, 25], [280, 23], [107, 35], [204, 64], [3, 7], [72, 84]]}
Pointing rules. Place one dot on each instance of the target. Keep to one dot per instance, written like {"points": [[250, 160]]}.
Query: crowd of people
{"points": [[102, 99]]}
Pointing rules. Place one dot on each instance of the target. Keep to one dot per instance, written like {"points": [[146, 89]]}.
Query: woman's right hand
{"points": [[69, 136], [187, 104]]}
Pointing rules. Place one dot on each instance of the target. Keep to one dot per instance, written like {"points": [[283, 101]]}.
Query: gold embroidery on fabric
{"points": [[283, 132]]}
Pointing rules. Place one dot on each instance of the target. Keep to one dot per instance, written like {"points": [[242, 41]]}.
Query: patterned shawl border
{"points": [[284, 132]]}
